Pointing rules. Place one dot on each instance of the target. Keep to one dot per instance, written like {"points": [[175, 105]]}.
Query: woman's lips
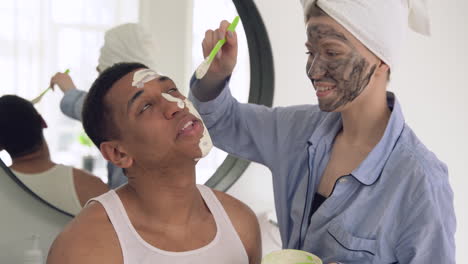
{"points": [[324, 93]]}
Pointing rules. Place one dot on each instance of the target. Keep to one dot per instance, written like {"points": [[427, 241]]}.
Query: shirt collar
{"points": [[369, 170]]}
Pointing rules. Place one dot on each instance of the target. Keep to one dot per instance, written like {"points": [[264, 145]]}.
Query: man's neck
{"points": [[35, 162], [365, 121], [164, 197]]}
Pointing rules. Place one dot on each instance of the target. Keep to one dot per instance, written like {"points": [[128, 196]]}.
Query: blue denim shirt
{"points": [[395, 207], [72, 103]]}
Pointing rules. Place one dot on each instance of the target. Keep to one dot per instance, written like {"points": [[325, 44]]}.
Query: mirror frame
{"points": [[261, 85]]}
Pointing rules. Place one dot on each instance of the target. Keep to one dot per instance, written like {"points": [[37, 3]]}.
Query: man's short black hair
{"points": [[21, 126], [97, 117]]}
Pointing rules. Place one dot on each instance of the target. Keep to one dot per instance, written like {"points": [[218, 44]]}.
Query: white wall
{"points": [[175, 45], [431, 87], [433, 90]]}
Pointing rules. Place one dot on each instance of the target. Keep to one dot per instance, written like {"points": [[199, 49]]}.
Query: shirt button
{"points": [[343, 180]]}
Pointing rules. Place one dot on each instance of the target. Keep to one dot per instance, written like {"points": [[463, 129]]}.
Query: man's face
{"points": [[339, 66], [153, 129]]}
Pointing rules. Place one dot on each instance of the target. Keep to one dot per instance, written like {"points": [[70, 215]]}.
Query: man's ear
{"points": [[117, 155]]}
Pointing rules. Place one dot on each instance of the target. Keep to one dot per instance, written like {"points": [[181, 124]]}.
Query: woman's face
{"points": [[338, 65]]}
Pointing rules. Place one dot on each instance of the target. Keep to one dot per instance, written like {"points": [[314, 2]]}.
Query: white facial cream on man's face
{"points": [[143, 76], [171, 98], [205, 143]]}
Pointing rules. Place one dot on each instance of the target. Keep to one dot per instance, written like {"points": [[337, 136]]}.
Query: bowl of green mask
{"points": [[291, 256]]}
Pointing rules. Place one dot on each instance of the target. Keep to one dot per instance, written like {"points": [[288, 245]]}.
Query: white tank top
{"points": [[55, 185], [226, 247]]}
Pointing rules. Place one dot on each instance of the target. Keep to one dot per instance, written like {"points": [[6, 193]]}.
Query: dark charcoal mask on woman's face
{"points": [[333, 60]]}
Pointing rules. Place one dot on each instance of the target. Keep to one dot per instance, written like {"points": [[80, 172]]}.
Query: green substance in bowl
{"points": [[291, 256]]}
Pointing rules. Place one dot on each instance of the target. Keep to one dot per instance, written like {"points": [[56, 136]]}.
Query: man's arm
{"points": [[246, 224]]}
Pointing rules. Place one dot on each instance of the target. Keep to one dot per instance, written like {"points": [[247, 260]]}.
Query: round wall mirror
{"points": [[69, 34]]}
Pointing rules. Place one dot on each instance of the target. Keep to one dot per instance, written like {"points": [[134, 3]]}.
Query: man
{"points": [[22, 137], [125, 42], [352, 182], [142, 124]]}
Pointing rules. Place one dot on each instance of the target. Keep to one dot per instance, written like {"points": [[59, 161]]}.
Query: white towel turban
{"points": [[380, 25], [127, 43]]}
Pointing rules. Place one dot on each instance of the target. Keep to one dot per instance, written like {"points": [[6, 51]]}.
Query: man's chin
{"points": [[204, 153]]}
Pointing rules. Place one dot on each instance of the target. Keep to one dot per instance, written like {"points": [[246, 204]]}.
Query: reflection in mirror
{"points": [[70, 35], [24, 215], [64, 187], [44, 37]]}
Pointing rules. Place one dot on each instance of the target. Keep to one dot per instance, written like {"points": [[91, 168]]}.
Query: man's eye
{"points": [[172, 90], [309, 53], [332, 53], [146, 106]]}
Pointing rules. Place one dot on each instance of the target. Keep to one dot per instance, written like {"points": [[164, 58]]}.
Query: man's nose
{"points": [[171, 109]]}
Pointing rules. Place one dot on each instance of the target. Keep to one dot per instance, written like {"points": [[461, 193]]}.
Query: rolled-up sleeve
{"points": [[72, 103], [238, 128], [250, 131]]}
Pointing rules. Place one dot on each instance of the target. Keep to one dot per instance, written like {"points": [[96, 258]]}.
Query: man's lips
{"points": [[189, 126]]}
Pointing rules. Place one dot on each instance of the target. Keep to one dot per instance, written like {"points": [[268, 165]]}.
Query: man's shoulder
{"points": [[234, 207], [242, 217], [245, 223], [88, 238], [89, 183]]}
